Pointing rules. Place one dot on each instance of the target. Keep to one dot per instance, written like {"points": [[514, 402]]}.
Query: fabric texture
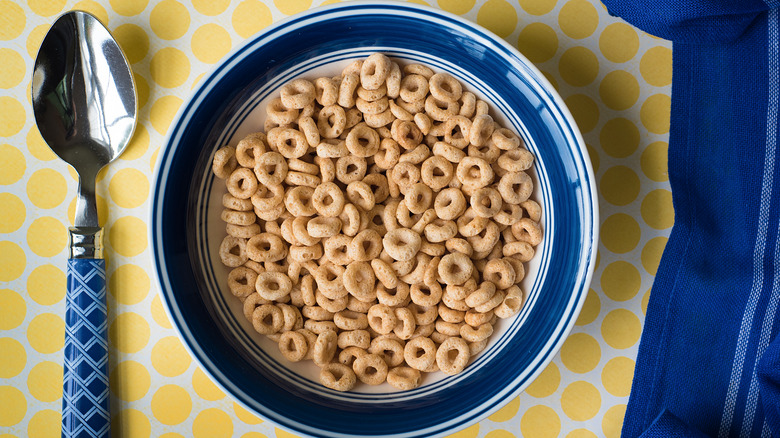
{"points": [[708, 361]]}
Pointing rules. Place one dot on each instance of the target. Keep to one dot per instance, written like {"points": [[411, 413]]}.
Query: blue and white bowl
{"points": [[185, 230]]}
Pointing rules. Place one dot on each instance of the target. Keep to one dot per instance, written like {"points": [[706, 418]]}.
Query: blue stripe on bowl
{"points": [[181, 184]]}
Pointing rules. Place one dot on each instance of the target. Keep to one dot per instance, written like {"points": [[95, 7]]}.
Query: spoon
{"points": [[85, 107]]}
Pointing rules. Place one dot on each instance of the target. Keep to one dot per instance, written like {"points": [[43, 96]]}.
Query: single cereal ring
{"points": [[336, 248], [267, 198], [241, 282], [517, 266], [500, 272], [317, 313], [470, 224], [456, 131], [328, 200], [297, 94], [233, 203], [325, 91], [324, 347], [224, 162], [251, 303], [301, 233], [266, 247], [424, 315], [347, 89], [474, 172], [388, 154], [449, 204], [480, 333], [350, 220], [270, 169], [353, 68], [310, 130], [417, 274], [354, 116], [267, 319], [348, 355], [505, 139], [363, 141], [440, 230], [481, 107], [423, 122], [381, 318], [420, 353], [404, 378], [406, 133], [487, 152], [307, 285], [486, 202], [476, 319], [418, 69], [444, 86], [370, 369], [291, 143], [418, 198], [482, 128], [484, 293], [354, 338], [323, 227], [513, 302], [302, 254], [379, 120], [250, 147], [279, 114], [338, 376], [356, 305], [477, 347], [527, 230], [431, 274], [302, 179], [377, 185], [413, 88], [449, 299], [374, 71], [385, 274], [389, 349], [331, 121], [426, 295], [359, 194], [406, 325], [293, 346], [371, 107], [516, 160], [372, 95], [486, 239], [359, 280], [241, 183], [349, 320], [270, 215], [298, 201], [416, 155], [365, 246], [492, 303], [405, 175], [351, 168], [402, 244], [242, 231], [448, 152], [455, 268], [232, 252], [508, 214], [319, 327], [232, 217], [450, 363], [423, 331], [415, 107], [329, 278], [273, 285], [532, 209], [393, 81], [327, 168], [393, 297], [523, 251], [440, 110], [399, 112], [436, 172]]}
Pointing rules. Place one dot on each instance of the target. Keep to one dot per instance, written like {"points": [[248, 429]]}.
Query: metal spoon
{"points": [[85, 107]]}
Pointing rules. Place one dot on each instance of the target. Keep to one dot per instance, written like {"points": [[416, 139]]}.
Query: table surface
{"points": [[615, 79]]}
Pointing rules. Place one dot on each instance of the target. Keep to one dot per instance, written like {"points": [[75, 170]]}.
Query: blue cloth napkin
{"points": [[709, 358]]}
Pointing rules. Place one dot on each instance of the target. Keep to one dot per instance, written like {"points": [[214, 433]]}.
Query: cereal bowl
{"points": [[228, 104]]}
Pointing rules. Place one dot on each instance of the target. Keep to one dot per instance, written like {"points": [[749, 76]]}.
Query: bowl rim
{"points": [[590, 221]]}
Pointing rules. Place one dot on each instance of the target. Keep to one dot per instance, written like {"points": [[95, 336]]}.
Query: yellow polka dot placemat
{"points": [[615, 79]]}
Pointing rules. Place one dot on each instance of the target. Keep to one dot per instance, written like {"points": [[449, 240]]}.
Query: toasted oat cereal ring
{"points": [[487, 152], [270, 215], [389, 349], [532, 209], [423, 122], [347, 90], [338, 376], [292, 317], [233, 203], [232, 252], [523, 251], [417, 274], [242, 231], [444, 86], [436, 172], [456, 131], [393, 81], [385, 274], [293, 346], [416, 155], [354, 338], [469, 224], [350, 220], [481, 107], [405, 175], [450, 315], [335, 249], [402, 244], [266, 198], [440, 110], [370, 369], [270, 169], [508, 214], [449, 204], [377, 186], [329, 304], [291, 143], [251, 146], [413, 88], [440, 230], [224, 162], [252, 302], [486, 239], [362, 141], [476, 319], [418, 198], [287, 233], [310, 130], [323, 227], [453, 355], [480, 333], [379, 120], [404, 378], [356, 305], [486, 202], [349, 320], [279, 114], [365, 246], [492, 303], [505, 139], [374, 71], [484, 293], [393, 297], [420, 353], [399, 112], [294, 178], [331, 121], [267, 319], [351, 168], [297, 94], [455, 268], [527, 230], [360, 194], [329, 277], [517, 266], [388, 154], [353, 68], [432, 249], [513, 302], [242, 183], [426, 295], [448, 328], [307, 285], [298, 201], [482, 128], [359, 280], [448, 152], [431, 275], [424, 315], [474, 172], [319, 327], [311, 338], [328, 200], [449, 300], [418, 69], [372, 95], [381, 318], [241, 282], [325, 91], [516, 160], [348, 355], [302, 254], [301, 232], [423, 331], [406, 133], [232, 217], [273, 285], [500, 272], [406, 325], [415, 107], [371, 107], [316, 313], [324, 347], [354, 116]]}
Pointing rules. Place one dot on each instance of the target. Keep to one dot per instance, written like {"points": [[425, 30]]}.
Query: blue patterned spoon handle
{"points": [[85, 401]]}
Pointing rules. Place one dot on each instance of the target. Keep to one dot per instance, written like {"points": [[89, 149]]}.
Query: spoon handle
{"points": [[85, 408]]}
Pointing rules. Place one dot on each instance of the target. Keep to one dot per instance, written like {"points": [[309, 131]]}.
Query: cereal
{"points": [[379, 225]]}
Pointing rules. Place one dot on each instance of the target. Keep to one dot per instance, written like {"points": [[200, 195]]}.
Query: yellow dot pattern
{"points": [[615, 80]]}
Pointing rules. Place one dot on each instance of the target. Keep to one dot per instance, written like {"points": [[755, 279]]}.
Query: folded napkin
{"points": [[709, 357]]}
